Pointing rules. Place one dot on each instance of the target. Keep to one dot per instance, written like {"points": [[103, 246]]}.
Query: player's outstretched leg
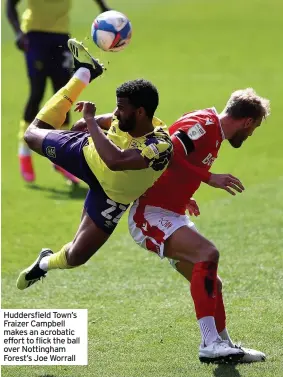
{"points": [[33, 273], [83, 59], [88, 239], [250, 355], [86, 69], [53, 114]]}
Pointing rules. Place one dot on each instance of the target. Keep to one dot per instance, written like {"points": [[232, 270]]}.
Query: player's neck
{"points": [[142, 129], [227, 125]]}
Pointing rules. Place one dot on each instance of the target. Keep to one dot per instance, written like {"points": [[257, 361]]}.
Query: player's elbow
{"points": [[114, 165], [126, 160], [116, 162]]}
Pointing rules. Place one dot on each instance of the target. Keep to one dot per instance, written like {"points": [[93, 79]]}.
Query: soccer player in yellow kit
{"points": [[118, 167], [43, 36]]}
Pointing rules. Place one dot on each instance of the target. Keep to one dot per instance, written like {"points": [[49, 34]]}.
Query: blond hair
{"points": [[245, 103]]}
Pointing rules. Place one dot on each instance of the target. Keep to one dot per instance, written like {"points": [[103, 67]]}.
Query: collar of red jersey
{"points": [[221, 129]]}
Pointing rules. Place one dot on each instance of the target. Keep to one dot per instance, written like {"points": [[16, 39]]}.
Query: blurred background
{"points": [[141, 317]]}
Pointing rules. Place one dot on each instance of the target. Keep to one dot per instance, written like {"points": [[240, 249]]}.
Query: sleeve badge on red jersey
{"points": [[208, 122], [196, 131]]}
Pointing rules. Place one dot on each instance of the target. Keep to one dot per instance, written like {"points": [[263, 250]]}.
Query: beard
{"points": [[128, 124], [237, 140]]}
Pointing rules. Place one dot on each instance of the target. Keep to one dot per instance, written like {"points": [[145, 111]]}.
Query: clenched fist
{"points": [[87, 108]]}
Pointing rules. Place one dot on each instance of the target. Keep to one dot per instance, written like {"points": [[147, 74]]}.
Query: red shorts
{"points": [[150, 226]]}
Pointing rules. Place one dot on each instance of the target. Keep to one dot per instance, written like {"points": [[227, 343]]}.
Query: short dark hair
{"points": [[140, 93], [245, 103]]}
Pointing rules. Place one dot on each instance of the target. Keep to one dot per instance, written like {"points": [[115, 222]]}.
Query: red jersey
{"points": [[196, 137]]}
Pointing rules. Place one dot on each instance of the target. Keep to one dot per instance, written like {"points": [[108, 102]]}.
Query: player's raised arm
{"points": [[113, 157]]}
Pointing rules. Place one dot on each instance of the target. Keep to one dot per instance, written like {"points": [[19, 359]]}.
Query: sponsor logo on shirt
{"points": [[196, 131], [208, 160]]}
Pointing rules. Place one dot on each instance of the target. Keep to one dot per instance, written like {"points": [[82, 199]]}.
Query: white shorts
{"points": [[151, 226]]}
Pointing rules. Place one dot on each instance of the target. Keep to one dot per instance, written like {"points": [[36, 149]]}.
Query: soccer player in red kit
{"points": [[158, 223]]}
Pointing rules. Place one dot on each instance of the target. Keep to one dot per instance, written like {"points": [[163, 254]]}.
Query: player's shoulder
{"points": [[199, 120], [205, 117], [157, 146], [160, 132], [208, 117]]}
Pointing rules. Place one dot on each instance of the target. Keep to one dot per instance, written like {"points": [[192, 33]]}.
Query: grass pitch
{"points": [[141, 317]]}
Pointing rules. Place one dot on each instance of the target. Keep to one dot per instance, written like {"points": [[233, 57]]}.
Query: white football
{"points": [[111, 31]]}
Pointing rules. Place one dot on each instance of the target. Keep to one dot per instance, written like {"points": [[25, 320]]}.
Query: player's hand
{"points": [[22, 41], [193, 208], [87, 108], [226, 182]]}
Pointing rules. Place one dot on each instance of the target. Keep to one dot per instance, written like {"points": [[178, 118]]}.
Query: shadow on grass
{"points": [[72, 192], [226, 370]]}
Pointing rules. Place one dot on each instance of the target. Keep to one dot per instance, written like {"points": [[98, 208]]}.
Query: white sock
{"points": [[24, 149], [43, 264], [225, 336], [83, 74], [208, 330]]}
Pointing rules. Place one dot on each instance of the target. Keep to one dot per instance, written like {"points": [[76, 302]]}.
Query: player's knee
{"points": [[210, 253], [213, 254], [34, 135], [29, 137]]}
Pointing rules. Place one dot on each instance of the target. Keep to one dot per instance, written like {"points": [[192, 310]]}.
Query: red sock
{"points": [[204, 288], [220, 315]]}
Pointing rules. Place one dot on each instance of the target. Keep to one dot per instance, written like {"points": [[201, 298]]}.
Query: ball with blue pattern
{"points": [[111, 31]]}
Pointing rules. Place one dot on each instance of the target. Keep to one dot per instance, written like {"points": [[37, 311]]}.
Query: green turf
{"points": [[141, 318]]}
